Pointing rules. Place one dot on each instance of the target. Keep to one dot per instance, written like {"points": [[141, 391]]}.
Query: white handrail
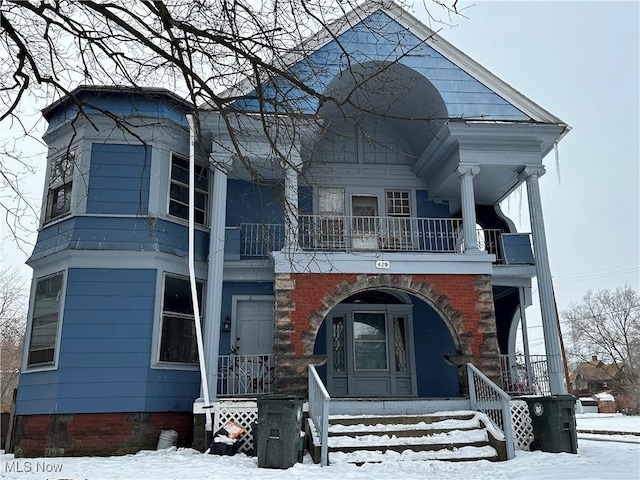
{"points": [[486, 397], [319, 400]]}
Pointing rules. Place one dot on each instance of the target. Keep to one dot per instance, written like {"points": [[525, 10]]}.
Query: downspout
{"points": [[208, 426]]}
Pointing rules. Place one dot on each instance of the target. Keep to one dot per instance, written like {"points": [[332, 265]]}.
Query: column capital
{"points": [[468, 169], [531, 171]]}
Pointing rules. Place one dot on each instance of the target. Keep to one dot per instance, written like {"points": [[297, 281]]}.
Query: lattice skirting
{"points": [[242, 412], [522, 426]]}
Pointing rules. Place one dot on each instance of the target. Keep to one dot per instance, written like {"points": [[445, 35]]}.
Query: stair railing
{"points": [[319, 412], [488, 398]]}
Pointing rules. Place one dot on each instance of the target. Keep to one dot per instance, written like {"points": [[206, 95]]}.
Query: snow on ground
{"points": [[608, 422], [595, 460]]}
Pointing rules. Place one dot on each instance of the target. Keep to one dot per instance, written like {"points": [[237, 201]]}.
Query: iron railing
{"points": [[486, 397], [523, 375], [319, 400], [245, 375], [348, 233]]}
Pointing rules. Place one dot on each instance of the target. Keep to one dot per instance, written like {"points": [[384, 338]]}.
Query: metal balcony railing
{"points": [[245, 375], [525, 376], [359, 234]]}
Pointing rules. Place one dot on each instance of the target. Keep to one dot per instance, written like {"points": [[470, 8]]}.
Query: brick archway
{"points": [[464, 302]]}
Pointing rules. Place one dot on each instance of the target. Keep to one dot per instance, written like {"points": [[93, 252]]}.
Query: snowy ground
{"points": [[618, 458]]}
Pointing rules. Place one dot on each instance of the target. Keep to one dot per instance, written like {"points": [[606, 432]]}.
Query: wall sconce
{"points": [[226, 324]]}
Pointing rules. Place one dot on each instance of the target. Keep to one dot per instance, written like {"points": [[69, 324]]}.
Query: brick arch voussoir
{"points": [[421, 289]]}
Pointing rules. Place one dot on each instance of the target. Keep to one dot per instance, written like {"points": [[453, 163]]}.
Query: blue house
{"points": [[356, 243]]}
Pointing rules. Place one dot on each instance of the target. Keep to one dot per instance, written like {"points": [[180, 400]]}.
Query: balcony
{"points": [[366, 234]]}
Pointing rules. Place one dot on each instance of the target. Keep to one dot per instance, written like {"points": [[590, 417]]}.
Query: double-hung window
{"points": [[178, 331], [179, 190], [44, 322], [60, 186], [399, 218]]}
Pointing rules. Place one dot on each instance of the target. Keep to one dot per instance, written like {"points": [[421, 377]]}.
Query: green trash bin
{"points": [[554, 423], [279, 425]]}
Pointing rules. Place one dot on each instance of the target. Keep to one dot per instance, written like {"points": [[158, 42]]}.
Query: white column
{"points": [[290, 168], [213, 304], [545, 287], [466, 173]]}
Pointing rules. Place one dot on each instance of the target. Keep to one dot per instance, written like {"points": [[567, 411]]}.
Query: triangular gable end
{"points": [[373, 33]]}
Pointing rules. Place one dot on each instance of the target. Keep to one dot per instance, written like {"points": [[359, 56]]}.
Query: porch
{"points": [[252, 376], [361, 234]]}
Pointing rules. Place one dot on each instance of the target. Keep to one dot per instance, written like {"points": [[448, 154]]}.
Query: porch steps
{"points": [[451, 436]]}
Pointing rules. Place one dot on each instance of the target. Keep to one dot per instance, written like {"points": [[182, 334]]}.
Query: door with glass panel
{"points": [[365, 222], [370, 351]]}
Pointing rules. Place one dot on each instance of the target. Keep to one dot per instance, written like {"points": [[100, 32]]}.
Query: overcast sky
{"points": [[579, 60]]}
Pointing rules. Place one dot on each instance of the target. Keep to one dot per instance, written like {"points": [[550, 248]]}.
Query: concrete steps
{"points": [[451, 436]]}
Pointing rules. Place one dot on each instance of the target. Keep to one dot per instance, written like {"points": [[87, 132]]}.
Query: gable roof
{"points": [[470, 91]]}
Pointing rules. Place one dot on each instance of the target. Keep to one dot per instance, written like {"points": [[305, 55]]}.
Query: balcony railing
{"points": [[245, 375], [525, 376], [361, 234]]}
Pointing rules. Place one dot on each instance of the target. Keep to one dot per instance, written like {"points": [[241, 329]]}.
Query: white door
{"points": [[365, 222], [254, 327]]}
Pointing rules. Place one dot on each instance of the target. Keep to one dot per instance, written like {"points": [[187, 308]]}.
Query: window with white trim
{"points": [[60, 186], [178, 331], [179, 190], [399, 221], [44, 321]]}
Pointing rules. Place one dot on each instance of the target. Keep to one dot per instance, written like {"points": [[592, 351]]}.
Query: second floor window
{"points": [[60, 186], [179, 190]]}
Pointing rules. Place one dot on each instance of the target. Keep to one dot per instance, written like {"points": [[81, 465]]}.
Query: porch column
{"points": [[543, 274], [213, 303], [466, 173], [291, 167]]}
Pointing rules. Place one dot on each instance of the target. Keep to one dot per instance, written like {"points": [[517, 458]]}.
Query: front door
{"points": [[254, 327], [370, 351]]}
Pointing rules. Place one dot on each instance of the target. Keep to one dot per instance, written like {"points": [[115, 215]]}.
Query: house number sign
{"points": [[385, 264]]}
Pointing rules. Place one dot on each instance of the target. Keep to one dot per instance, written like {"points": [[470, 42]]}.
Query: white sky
{"points": [[579, 60]]}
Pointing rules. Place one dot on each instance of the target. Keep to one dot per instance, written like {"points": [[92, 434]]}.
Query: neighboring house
{"points": [[594, 377], [389, 260]]}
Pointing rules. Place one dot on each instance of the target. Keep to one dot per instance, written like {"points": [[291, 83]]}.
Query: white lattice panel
{"points": [[242, 412], [521, 422]]}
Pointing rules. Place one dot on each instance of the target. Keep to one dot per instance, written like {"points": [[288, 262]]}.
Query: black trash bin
{"points": [[554, 423], [279, 424]]}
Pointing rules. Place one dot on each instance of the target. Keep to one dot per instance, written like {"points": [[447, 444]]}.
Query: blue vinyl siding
{"points": [[122, 379], [251, 203], [379, 38], [104, 233], [426, 208], [435, 377], [119, 179], [105, 351]]}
